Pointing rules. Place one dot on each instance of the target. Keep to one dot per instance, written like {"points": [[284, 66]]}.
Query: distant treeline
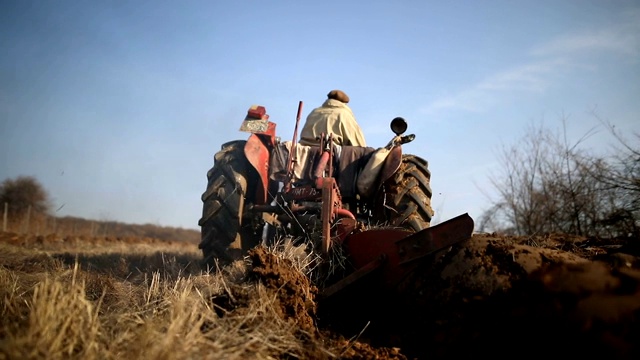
{"points": [[25, 208], [118, 229], [74, 226]]}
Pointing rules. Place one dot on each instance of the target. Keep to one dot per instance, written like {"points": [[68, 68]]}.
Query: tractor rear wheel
{"points": [[405, 199], [225, 235]]}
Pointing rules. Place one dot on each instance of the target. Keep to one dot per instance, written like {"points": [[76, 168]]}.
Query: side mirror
{"points": [[398, 126]]}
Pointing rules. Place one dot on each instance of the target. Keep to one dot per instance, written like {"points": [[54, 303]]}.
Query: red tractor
{"points": [[375, 204]]}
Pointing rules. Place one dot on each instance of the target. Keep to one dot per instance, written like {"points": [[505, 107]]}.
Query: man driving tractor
{"points": [[333, 117]]}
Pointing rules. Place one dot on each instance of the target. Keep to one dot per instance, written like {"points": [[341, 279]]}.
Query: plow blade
{"points": [[392, 254]]}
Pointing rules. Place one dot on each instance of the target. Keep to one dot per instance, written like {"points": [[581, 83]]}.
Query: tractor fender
{"points": [[381, 166], [366, 183], [391, 164], [258, 156]]}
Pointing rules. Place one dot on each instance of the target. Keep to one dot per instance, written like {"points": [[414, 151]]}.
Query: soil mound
{"points": [[491, 295]]}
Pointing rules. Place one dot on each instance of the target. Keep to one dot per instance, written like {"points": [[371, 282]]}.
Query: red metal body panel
{"points": [[270, 134], [258, 155], [258, 150], [403, 250]]}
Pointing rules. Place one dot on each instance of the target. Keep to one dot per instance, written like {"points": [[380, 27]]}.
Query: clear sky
{"points": [[117, 107]]}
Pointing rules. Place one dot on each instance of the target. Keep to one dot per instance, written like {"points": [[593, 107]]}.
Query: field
{"points": [[133, 297]]}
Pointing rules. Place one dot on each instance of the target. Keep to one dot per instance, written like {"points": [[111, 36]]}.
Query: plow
{"points": [[370, 205]]}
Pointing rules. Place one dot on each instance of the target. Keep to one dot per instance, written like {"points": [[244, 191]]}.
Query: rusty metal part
{"points": [[322, 165], [280, 209], [330, 150], [302, 193], [402, 250], [341, 212], [292, 160], [417, 246], [344, 214], [330, 201]]}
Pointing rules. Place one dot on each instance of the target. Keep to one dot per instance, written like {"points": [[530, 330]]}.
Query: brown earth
{"points": [[493, 295], [496, 296], [499, 296]]}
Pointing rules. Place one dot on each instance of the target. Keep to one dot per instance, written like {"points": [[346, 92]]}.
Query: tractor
{"points": [[374, 204]]}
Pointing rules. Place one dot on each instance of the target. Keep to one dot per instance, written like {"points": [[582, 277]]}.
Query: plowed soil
{"points": [[492, 295]]}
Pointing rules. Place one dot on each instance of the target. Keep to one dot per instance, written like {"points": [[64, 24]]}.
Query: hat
{"points": [[338, 95]]}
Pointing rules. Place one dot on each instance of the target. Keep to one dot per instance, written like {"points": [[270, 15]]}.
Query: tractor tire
{"points": [[225, 235], [405, 198]]}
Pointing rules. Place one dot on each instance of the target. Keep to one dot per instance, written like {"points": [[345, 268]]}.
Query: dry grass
{"points": [[302, 258], [143, 305], [44, 225]]}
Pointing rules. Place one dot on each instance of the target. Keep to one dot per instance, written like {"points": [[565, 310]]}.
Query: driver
{"points": [[333, 117]]}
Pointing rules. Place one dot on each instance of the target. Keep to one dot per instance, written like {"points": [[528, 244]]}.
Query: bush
{"points": [[24, 194], [551, 186]]}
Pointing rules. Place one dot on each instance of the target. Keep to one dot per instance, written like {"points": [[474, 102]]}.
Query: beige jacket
{"points": [[333, 117]]}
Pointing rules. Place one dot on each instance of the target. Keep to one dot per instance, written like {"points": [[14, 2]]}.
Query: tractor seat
{"points": [[347, 163], [305, 158]]}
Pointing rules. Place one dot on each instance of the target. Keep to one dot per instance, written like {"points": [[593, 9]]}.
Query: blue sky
{"points": [[117, 107]]}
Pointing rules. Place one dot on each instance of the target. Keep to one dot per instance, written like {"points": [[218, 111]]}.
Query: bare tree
{"points": [[620, 174], [515, 211], [551, 185]]}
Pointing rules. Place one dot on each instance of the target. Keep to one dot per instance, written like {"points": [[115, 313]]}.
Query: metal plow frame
{"points": [[398, 252]]}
